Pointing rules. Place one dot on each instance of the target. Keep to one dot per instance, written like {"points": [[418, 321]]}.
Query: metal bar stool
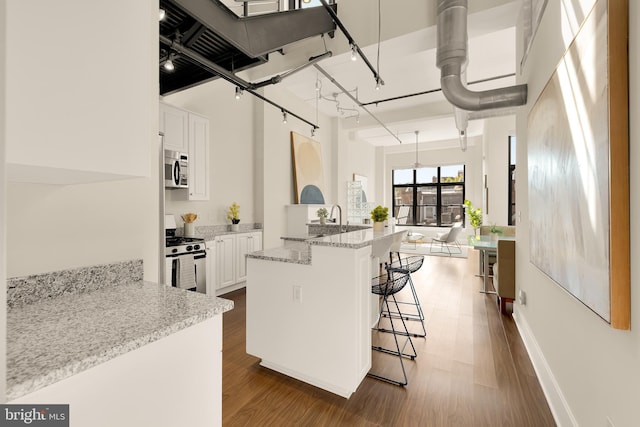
{"points": [[387, 286], [408, 265]]}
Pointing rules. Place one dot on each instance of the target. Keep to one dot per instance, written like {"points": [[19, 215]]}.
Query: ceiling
{"points": [[406, 64]]}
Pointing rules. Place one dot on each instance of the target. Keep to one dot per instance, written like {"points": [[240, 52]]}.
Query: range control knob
{"points": [[189, 248], [196, 247], [174, 250]]}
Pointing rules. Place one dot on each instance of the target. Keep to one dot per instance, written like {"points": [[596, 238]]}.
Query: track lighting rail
{"points": [[352, 42], [354, 99], [230, 77]]}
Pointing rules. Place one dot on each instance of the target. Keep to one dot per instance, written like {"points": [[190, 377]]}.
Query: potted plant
{"points": [[475, 216], [322, 214], [379, 215], [495, 232], [233, 215]]}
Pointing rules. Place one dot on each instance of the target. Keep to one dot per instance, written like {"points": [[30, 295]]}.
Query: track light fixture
{"points": [[378, 83], [354, 52], [313, 131], [161, 14], [238, 92], [318, 85], [168, 63], [284, 116]]}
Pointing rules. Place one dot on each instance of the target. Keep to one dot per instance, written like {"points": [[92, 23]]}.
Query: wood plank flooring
{"points": [[472, 368]]}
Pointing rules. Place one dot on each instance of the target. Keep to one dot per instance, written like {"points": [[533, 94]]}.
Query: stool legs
{"points": [[398, 351], [419, 316]]}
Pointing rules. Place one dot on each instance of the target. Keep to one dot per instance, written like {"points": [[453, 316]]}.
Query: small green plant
{"points": [[322, 213], [233, 213], [475, 214], [379, 214], [494, 229]]}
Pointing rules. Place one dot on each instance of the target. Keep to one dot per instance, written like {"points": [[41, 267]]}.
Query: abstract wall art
{"points": [[578, 168], [307, 170]]}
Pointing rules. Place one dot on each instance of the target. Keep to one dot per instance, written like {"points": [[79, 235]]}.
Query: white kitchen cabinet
{"points": [[226, 260], [246, 243], [71, 124], [188, 132], [221, 254], [174, 123], [198, 157]]}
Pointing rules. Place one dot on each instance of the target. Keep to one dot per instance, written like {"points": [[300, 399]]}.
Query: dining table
{"points": [[487, 245]]}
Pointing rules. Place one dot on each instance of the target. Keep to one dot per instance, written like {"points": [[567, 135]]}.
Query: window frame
{"points": [[439, 185]]}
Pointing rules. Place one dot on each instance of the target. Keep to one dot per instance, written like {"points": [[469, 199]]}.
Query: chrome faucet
{"points": [[339, 213]]}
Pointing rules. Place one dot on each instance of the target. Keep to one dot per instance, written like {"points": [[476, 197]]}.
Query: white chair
{"points": [[448, 240]]}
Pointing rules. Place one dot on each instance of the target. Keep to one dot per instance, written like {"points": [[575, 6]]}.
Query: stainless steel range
{"points": [[186, 260]]}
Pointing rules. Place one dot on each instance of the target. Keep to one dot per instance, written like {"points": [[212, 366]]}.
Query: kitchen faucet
{"points": [[339, 213]]}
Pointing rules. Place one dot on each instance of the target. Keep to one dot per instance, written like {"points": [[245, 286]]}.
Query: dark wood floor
{"points": [[472, 369]]}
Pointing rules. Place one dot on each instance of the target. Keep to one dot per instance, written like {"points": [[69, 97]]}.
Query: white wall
{"points": [[3, 204], [278, 184], [589, 371], [232, 171], [496, 161], [59, 227]]}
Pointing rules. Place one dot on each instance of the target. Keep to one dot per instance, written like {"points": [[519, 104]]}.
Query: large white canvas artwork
{"points": [[568, 152]]}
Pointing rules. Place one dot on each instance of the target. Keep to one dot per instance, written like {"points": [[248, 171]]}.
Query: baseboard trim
{"points": [[234, 287], [557, 403]]}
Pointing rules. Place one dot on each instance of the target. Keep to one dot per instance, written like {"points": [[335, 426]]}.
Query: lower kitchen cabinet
{"points": [[221, 262], [175, 381], [246, 243], [226, 261]]}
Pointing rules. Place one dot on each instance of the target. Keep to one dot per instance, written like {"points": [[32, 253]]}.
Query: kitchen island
{"points": [[310, 308], [117, 349]]}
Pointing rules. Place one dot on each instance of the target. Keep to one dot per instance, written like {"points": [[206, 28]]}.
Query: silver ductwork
{"points": [[451, 58]]}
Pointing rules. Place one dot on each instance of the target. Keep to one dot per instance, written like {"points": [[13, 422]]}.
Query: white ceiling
{"points": [[408, 66]]}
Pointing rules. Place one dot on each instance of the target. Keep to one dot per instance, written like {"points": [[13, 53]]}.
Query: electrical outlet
{"points": [[297, 293], [522, 297]]}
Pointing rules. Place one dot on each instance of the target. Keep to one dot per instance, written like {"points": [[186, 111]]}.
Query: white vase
{"points": [[323, 220], [235, 227], [189, 229], [378, 226]]}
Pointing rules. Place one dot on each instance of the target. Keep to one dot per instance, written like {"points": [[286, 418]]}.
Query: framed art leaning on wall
{"points": [[578, 153]]}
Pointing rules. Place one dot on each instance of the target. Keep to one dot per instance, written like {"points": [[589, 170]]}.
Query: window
{"points": [[429, 196], [512, 181]]}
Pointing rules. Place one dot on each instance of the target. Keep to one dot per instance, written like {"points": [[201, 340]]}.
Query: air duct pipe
{"points": [[452, 60]]}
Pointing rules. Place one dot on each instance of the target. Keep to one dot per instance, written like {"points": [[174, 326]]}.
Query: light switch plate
{"points": [[297, 293]]}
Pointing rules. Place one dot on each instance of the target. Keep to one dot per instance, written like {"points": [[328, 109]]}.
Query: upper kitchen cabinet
{"points": [[83, 95], [198, 157], [188, 132], [174, 124]]}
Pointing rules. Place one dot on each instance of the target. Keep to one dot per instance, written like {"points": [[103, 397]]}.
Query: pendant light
{"points": [[417, 164]]}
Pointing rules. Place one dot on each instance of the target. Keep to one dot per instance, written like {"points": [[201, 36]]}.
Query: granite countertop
{"points": [[56, 338], [300, 252], [210, 235]]}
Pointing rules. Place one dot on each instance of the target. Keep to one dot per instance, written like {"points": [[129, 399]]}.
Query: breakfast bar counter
{"points": [[310, 307]]}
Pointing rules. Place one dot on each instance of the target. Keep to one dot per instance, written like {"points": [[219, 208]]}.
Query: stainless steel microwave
{"points": [[176, 169]]}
